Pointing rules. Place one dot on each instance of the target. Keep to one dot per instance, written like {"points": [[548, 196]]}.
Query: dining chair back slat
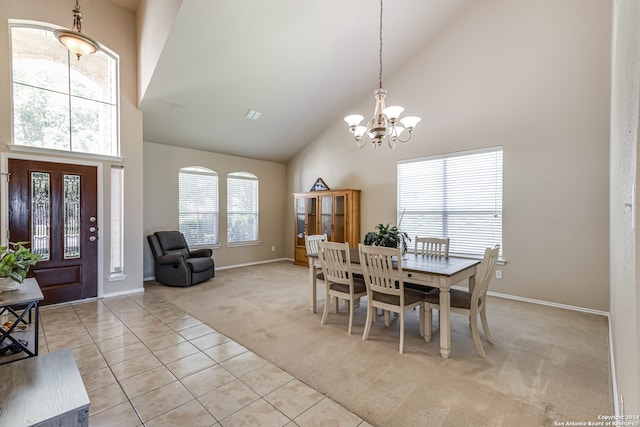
{"points": [[311, 242], [432, 246]]}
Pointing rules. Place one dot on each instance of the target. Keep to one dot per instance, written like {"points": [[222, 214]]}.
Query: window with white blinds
{"points": [[456, 195], [198, 205], [242, 207]]}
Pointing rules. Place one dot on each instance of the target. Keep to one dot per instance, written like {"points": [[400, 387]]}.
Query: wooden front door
{"points": [[54, 206]]}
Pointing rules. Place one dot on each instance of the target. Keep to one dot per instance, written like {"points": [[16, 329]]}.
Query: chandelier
{"points": [[74, 40], [383, 126]]}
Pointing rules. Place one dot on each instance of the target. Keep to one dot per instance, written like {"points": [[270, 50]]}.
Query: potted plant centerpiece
{"points": [[387, 236], [15, 261]]}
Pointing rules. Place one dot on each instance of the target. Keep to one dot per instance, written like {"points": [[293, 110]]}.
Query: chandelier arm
{"points": [[363, 141], [408, 137], [391, 141]]}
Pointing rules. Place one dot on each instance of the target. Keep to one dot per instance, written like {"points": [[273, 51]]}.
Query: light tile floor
{"points": [[145, 362]]}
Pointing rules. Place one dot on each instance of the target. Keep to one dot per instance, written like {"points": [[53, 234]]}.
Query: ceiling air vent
{"points": [[252, 114]]}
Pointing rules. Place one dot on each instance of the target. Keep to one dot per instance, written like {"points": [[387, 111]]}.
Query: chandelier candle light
{"points": [[384, 123], [74, 40]]}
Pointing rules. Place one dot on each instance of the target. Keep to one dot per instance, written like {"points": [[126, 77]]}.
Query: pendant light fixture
{"points": [[383, 126], [74, 40]]}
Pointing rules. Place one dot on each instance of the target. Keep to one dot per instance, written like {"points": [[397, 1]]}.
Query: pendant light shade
{"points": [[74, 40]]}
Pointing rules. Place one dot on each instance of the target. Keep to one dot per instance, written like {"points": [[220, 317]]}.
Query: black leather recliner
{"points": [[175, 264]]}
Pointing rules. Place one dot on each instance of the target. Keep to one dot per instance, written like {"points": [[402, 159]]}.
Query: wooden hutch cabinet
{"points": [[335, 213]]}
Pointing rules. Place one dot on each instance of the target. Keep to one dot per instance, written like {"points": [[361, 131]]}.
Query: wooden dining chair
{"points": [[432, 246], [311, 245], [470, 303], [340, 282], [311, 242], [429, 246], [385, 288]]}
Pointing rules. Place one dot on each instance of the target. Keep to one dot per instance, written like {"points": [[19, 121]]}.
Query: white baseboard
{"points": [[614, 383], [226, 267], [550, 304], [121, 293]]}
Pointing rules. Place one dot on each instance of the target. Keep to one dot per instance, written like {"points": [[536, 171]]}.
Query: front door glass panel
{"points": [[71, 216], [41, 214]]}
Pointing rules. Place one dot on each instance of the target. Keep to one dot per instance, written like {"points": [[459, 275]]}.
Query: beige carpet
{"points": [[547, 365]]}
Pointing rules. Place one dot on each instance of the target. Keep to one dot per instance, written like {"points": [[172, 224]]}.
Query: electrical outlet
{"points": [[273, 248], [498, 274]]}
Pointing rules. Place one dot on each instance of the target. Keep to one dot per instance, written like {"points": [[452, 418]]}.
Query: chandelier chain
{"points": [[380, 55]]}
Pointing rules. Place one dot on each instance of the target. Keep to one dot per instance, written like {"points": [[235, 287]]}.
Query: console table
{"points": [[18, 304], [44, 391]]}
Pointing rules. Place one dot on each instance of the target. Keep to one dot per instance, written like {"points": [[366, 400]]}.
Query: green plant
{"points": [[15, 261], [387, 236]]}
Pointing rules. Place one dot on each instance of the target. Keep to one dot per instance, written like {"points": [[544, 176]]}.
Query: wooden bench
{"points": [[45, 390]]}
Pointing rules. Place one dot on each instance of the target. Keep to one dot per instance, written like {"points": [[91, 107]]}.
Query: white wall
{"points": [[625, 109], [155, 19], [114, 27], [532, 76], [161, 166]]}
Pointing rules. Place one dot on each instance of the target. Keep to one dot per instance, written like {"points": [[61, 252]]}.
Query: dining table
{"points": [[422, 270]]}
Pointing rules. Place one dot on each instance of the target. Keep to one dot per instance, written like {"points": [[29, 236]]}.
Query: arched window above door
{"points": [[60, 102]]}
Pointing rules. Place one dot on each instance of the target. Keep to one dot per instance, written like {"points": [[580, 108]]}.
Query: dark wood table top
{"points": [[439, 266]]}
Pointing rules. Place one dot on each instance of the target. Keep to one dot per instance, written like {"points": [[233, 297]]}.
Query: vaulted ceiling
{"points": [[302, 64]]}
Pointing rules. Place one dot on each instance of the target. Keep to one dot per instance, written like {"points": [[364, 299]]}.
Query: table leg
{"points": [[20, 318], [472, 283], [36, 328], [445, 325], [313, 282]]}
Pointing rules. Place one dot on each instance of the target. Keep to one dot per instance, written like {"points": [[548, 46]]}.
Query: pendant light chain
{"points": [[77, 18]]}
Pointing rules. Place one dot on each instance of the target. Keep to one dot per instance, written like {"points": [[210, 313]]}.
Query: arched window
{"points": [[60, 102], [242, 207], [198, 205]]}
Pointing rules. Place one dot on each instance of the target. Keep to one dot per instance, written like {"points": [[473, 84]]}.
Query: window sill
{"points": [[49, 151], [116, 277], [238, 244]]}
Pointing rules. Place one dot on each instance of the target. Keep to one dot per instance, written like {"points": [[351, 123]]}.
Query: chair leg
{"points": [[367, 326], [337, 301], [349, 304], [485, 326], [476, 335], [401, 331], [387, 318], [327, 302], [427, 323]]}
